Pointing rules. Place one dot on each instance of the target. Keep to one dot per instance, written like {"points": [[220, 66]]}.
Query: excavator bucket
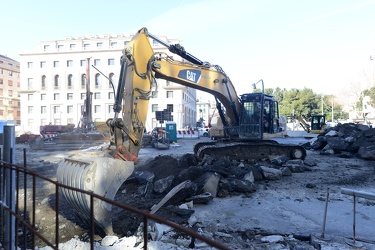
{"points": [[95, 172]]}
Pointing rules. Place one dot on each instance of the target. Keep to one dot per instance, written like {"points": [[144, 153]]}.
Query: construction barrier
{"points": [[187, 134], [49, 135]]}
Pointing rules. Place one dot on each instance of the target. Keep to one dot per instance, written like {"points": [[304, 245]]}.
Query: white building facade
{"points": [[53, 83]]}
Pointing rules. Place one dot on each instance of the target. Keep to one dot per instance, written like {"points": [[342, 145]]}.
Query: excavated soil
{"points": [[308, 188]]}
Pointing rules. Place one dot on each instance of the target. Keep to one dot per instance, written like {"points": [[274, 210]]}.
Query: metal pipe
{"points": [[354, 212], [325, 215], [92, 224], [145, 233], [57, 216], [356, 194], [24, 198], [362, 194], [9, 143], [17, 203]]}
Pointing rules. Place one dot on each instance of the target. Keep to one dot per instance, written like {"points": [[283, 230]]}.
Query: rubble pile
{"points": [[347, 140], [170, 187]]}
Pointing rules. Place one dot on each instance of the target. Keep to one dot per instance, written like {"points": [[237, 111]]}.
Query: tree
{"points": [[371, 93], [304, 103]]}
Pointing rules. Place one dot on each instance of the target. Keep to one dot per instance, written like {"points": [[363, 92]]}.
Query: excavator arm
{"points": [[140, 67]]}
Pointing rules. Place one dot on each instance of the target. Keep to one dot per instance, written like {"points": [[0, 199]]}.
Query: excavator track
{"points": [[249, 150]]}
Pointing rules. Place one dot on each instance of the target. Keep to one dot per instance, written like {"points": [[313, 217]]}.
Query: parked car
{"points": [[203, 132]]}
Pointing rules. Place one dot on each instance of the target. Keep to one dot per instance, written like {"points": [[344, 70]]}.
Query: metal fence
{"points": [[19, 188]]}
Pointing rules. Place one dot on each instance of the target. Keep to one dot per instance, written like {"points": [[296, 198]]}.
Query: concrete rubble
{"points": [[347, 140], [203, 180]]}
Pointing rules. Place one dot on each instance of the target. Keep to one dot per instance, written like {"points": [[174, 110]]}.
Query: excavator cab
{"points": [[318, 122], [259, 116]]}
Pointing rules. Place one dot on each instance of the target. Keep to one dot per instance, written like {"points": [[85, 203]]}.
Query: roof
{"points": [[5, 57]]}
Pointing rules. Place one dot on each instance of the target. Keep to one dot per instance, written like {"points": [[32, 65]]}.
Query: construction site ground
{"points": [[292, 205]]}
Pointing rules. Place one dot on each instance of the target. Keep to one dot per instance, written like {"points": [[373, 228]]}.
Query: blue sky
{"points": [[322, 45]]}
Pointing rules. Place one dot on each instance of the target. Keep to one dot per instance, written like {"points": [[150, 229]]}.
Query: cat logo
{"points": [[192, 75]]}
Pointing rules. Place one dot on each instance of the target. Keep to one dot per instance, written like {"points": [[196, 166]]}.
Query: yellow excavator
{"points": [[247, 121], [316, 126]]}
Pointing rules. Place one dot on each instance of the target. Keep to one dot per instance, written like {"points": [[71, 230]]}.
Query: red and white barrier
{"points": [[49, 135], [187, 133]]}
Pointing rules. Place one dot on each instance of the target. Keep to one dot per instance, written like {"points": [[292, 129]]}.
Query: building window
{"points": [[43, 81], [83, 96], [46, 47], [111, 61], [57, 121], [170, 107], [86, 45], [10, 93], [43, 97], [55, 64], [43, 64], [154, 94], [82, 63], [111, 79], [30, 83], [56, 96], [1, 81], [43, 109], [1, 71], [97, 108], [154, 42], [69, 109], [57, 81], [154, 107], [111, 95], [30, 122], [97, 96], [96, 62], [83, 81], [29, 65], [126, 42], [97, 80], [59, 47], [56, 110], [169, 94], [113, 44], [43, 121], [69, 63], [70, 81], [30, 109], [69, 96], [72, 46], [110, 108], [30, 97], [10, 73], [99, 45]]}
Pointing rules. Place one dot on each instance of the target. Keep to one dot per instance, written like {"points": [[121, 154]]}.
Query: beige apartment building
{"points": [[9, 85], [53, 83]]}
